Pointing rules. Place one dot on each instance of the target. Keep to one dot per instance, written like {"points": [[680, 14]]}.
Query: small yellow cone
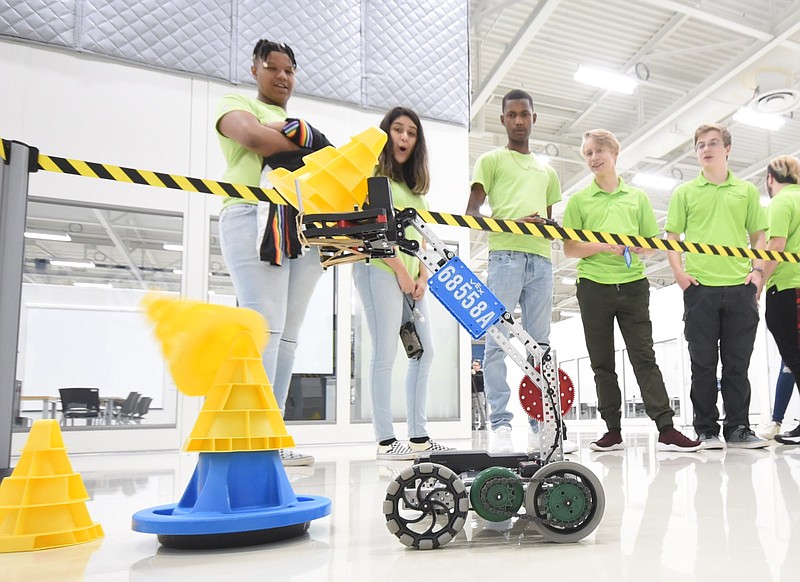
{"points": [[43, 502]]}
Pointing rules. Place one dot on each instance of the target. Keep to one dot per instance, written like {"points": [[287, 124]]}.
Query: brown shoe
{"points": [[611, 441], [673, 440]]}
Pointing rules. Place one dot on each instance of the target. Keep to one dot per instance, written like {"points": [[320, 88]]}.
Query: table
{"points": [[107, 403], [49, 404]]}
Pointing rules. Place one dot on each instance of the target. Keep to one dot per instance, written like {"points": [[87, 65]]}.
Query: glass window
{"points": [[86, 270], [443, 392], [312, 390], [571, 369], [587, 393]]}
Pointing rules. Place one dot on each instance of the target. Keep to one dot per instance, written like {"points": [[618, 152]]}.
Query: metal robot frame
{"points": [[565, 500]]}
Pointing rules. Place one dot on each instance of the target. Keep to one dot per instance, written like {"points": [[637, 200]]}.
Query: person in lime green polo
{"points": [[612, 286], [719, 293], [783, 284], [519, 187]]}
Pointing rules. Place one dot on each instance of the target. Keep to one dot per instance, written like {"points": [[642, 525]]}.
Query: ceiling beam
{"points": [[705, 90], [536, 20], [126, 254], [712, 19], [676, 21]]}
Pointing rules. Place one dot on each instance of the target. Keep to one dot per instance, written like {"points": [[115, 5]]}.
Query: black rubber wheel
{"points": [[234, 539], [570, 497], [426, 506]]}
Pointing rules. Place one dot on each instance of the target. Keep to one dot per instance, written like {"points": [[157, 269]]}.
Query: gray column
{"points": [[13, 208]]}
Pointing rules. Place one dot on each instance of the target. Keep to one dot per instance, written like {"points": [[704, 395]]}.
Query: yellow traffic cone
{"points": [[43, 502], [332, 179], [240, 412]]}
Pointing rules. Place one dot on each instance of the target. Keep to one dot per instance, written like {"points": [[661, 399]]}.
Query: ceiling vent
{"points": [[777, 101], [774, 94]]}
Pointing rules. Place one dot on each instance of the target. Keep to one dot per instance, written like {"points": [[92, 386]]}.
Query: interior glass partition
{"points": [[312, 392], [86, 270]]}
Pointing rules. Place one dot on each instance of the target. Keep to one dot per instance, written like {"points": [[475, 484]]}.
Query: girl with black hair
{"points": [[393, 291], [267, 271]]}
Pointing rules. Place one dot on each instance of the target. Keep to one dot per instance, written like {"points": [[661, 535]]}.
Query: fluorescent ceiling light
{"points": [[654, 181], [73, 264], [93, 285], [755, 118], [569, 313], [605, 79], [171, 247], [177, 271], [47, 236], [568, 280]]}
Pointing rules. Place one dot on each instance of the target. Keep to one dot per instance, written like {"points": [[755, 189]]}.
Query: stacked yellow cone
{"points": [[240, 412], [43, 502]]}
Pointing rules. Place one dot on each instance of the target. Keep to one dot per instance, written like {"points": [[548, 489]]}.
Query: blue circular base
{"points": [[163, 521]]}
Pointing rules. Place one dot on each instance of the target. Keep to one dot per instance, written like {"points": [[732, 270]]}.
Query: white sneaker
{"points": [[502, 440], [396, 451], [291, 458], [768, 431], [567, 446]]}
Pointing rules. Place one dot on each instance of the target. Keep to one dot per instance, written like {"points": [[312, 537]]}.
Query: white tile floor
{"points": [[668, 517]]}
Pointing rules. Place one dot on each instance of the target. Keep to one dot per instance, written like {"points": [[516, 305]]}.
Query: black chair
{"points": [[80, 403], [125, 412], [142, 408]]}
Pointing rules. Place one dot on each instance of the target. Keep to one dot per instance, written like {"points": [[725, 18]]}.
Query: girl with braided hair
{"points": [[255, 134]]}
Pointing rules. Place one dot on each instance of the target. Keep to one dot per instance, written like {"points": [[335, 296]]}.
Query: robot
{"points": [[427, 504]]}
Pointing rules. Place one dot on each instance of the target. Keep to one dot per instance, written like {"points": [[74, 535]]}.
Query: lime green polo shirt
{"points": [[402, 198], [243, 165], [626, 210], [721, 214], [784, 221], [517, 185]]}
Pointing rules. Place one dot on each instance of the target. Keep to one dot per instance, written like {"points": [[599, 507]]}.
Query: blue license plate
{"points": [[466, 297]]}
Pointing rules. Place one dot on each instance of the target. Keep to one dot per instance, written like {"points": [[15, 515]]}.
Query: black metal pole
{"points": [[20, 160]]}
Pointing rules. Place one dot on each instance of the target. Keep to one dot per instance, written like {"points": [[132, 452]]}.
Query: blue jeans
{"points": [[385, 310], [783, 392], [267, 288], [516, 278]]}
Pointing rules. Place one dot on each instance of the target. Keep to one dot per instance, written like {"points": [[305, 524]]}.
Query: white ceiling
{"points": [[702, 61], [696, 62]]}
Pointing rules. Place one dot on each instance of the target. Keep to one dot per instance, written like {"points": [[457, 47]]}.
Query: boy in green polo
{"points": [[612, 285], [783, 286], [517, 187], [719, 293]]}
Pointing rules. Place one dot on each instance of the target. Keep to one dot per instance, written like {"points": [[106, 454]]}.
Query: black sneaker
{"points": [[789, 438], [744, 438]]}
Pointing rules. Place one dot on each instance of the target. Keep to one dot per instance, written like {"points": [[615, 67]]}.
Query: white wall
{"points": [[81, 107]]}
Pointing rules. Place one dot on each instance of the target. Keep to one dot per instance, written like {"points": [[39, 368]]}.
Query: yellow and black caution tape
{"points": [[558, 232], [149, 178], [189, 184]]}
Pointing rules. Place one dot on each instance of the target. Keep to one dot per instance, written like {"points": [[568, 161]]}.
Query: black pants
{"points": [[782, 322], [629, 304], [720, 323]]}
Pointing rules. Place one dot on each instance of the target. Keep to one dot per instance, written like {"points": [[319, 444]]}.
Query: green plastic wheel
{"points": [[566, 502], [496, 494]]}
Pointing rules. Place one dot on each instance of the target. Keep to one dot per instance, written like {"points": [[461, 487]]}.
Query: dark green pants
{"points": [[629, 303]]}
